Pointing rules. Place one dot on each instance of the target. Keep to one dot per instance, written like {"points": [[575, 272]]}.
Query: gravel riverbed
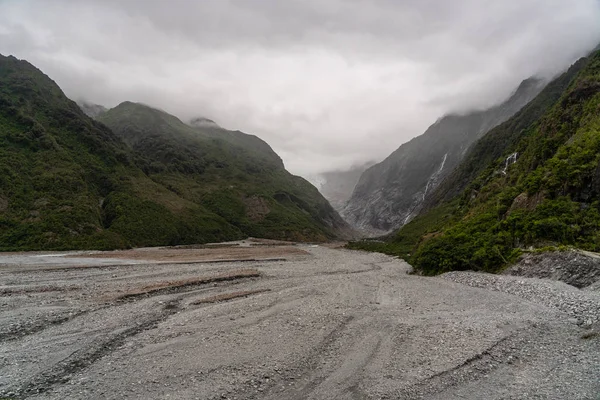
{"points": [[306, 322]]}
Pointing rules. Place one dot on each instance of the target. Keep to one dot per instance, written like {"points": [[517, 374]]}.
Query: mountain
{"points": [[234, 175], [391, 193], [90, 109], [337, 186], [533, 181], [493, 145], [237, 138], [70, 182]]}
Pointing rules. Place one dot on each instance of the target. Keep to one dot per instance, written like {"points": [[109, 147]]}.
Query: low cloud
{"points": [[329, 83]]}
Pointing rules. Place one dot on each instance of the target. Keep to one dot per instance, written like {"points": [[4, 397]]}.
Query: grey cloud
{"points": [[328, 83]]}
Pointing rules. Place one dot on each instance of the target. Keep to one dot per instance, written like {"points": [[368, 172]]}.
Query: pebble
{"points": [[583, 307]]}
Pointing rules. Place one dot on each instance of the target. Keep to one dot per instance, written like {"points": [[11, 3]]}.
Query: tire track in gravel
{"points": [[322, 371], [297, 373], [343, 379], [20, 331], [372, 268], [473, 368], [120, 264], [86, 356], [340, 325]]}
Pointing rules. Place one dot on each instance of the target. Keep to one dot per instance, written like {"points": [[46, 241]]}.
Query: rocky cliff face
{"points": [[391, 193]]}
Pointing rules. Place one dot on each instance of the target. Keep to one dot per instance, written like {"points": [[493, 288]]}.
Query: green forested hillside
{"points": [[234, 175], [68, 181], [502, 138], [546, 194]]}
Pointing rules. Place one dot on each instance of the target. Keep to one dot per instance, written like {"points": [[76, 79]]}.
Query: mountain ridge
{"points": [[541, 191], [70, 182], [224, 171], [393, 191], [511, 130]]}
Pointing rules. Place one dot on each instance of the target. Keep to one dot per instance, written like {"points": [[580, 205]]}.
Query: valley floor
{"points": [[260, 320]]}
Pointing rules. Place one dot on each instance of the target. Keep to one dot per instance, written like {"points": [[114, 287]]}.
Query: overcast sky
{"points": [[328, 83]]}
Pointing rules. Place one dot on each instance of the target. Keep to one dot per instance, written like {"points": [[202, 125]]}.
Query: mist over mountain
{"points": [[248, 199], [90, 109], [328, 84], [202, 122], [138, 176], [531, 182], [337, 186], [326, 89], [391, 193]]}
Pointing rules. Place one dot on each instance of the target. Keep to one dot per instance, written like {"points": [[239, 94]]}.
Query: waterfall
{"points": [[509, 161], [433, 177]]}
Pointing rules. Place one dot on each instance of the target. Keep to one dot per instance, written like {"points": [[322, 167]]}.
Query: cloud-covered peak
{"points": [[328, 83]]}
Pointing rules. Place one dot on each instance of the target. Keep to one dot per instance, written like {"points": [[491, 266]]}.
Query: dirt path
{"points": [[311, 323]]}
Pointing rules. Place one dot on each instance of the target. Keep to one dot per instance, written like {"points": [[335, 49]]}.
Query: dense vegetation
{"points": [[232, 174], [550, 196], [67, 181], [495, 144]]}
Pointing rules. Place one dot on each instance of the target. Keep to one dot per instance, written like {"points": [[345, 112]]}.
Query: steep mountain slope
{"points": [[392, 192], [543, 188], [234, 175], [337, 186], [493, 145], [68, 181]]}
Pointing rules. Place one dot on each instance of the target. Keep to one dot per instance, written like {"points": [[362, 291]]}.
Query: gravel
{"points": [[322, 324], [581, 306]]}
